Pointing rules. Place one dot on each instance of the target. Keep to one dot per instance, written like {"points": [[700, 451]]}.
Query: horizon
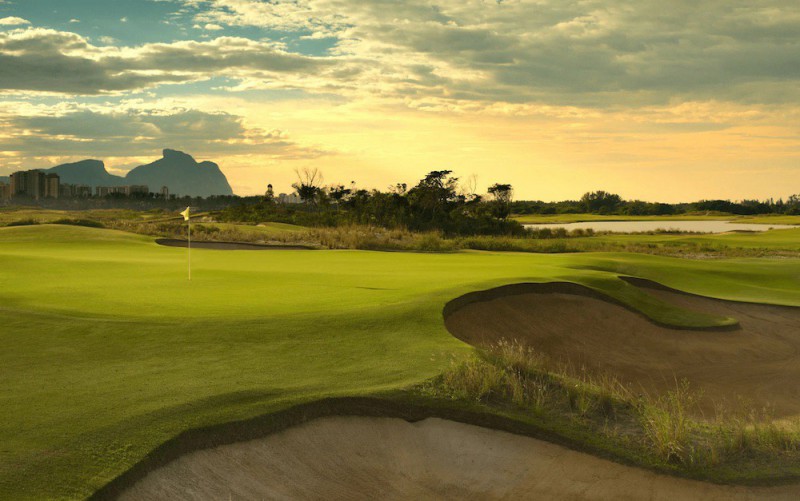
{"points": [[699, 103], [291, 189]]}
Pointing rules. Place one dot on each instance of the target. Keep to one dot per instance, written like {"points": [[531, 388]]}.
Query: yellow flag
{"points": [[185, 214]]}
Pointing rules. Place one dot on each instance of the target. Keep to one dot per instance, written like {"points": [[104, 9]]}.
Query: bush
{"points": [[89, 223], [23, 222]]}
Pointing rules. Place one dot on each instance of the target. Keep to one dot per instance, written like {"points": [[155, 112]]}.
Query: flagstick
{"points": [[190, 248]]}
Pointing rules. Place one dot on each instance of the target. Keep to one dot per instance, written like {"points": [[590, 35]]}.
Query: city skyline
{"points": [[556, 98]]}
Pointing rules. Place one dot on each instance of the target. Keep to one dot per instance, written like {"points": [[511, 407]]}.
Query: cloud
{"points": [[590, 53], [13, 21], [37, 59], [453, 55], [84, 132]]}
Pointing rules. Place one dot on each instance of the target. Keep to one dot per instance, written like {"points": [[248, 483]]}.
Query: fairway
{"points": [[109, 350]]}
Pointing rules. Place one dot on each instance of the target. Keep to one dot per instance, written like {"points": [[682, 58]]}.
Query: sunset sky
{"points": [[669, 101]]}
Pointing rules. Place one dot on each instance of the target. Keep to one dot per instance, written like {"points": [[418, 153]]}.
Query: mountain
{"points": [[177, 171], [182, 175], [91, 172]]}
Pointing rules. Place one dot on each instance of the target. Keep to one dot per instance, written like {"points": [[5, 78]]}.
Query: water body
{"points": [[643, 226]]}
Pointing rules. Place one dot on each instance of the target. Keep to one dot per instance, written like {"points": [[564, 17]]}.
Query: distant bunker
{"points": [[173, 242], [757, 365]]}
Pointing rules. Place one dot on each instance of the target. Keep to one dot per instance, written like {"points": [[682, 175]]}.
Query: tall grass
{"points": [[366, 237], [666, 428], [666, 423]]}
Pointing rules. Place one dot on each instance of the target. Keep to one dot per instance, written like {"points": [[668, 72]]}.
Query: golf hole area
{"points": [[354, 458]]}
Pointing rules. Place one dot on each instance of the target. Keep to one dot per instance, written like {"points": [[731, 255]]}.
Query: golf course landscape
{"points": [[432, 250], [110, 352]]}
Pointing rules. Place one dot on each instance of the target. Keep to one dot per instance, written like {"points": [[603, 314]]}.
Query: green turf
{"points": [[772, 240], [109, 350]]}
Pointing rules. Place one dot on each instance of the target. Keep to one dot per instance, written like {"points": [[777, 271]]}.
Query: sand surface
{"points": [[358, 458], [172, 242], [758, 364]]}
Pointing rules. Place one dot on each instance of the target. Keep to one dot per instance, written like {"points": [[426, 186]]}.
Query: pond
{"points": [[644, 226]]}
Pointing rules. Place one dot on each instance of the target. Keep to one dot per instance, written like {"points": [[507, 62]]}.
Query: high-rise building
{"points": [[5, 192], [51, 186], [137, 189], [74, 191], [34, 184], [134, 189]]}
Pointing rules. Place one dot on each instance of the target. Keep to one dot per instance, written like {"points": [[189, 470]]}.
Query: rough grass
{"points": [[666, 429], [776, 243]]}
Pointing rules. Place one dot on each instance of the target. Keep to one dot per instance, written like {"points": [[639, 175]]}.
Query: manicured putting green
{"points": [[109, 350]]}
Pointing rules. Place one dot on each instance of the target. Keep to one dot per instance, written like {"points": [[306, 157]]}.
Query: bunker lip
{"points": [[572, 288], [759, 361], [173, 242], [411, 411], [355, 457]]}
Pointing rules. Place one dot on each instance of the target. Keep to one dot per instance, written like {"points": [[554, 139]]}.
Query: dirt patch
{"points": [[386, 458], [757, 364], [172, 242]]}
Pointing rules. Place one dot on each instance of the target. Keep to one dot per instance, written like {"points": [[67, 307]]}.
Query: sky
{"points": [[660, 101]]}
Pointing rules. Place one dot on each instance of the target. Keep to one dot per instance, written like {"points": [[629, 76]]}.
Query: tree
{"points": [[502, 195], [432, 198], [308, 184], [337, 193], [600, 201]]}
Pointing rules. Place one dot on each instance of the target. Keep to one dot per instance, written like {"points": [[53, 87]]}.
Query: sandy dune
{"points": [[758, 364], [380, 458]]}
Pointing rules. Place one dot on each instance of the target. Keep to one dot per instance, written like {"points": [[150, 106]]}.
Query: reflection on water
{"points": [[642, 226]]}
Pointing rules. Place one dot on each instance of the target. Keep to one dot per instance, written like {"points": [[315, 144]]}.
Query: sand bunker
{"points": [[172, 242], [759, 362], [381, 458]]}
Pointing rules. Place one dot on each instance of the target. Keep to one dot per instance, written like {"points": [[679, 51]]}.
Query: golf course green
{"points": [[109, 350]]}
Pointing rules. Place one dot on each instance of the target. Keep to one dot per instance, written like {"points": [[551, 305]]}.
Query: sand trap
{"points": [[172, 242], [759, 362], [381, 458]]}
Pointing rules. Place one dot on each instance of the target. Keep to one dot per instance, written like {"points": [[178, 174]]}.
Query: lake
{"points": [[643, 226]]}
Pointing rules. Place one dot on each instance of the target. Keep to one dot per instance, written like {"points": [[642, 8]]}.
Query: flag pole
{"points": [[186, 217], [189, 246]]}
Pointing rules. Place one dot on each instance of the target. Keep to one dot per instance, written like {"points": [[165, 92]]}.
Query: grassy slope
{"points": [[788, 240], [109, 350]]}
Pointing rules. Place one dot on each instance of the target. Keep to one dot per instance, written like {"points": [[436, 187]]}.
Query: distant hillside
{"points": [[4, 179], [176, 170], [90, 172], [182, 174]]}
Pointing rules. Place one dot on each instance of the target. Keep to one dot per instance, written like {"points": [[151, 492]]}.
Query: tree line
{"points": [[602, 202], [438, 202]]}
